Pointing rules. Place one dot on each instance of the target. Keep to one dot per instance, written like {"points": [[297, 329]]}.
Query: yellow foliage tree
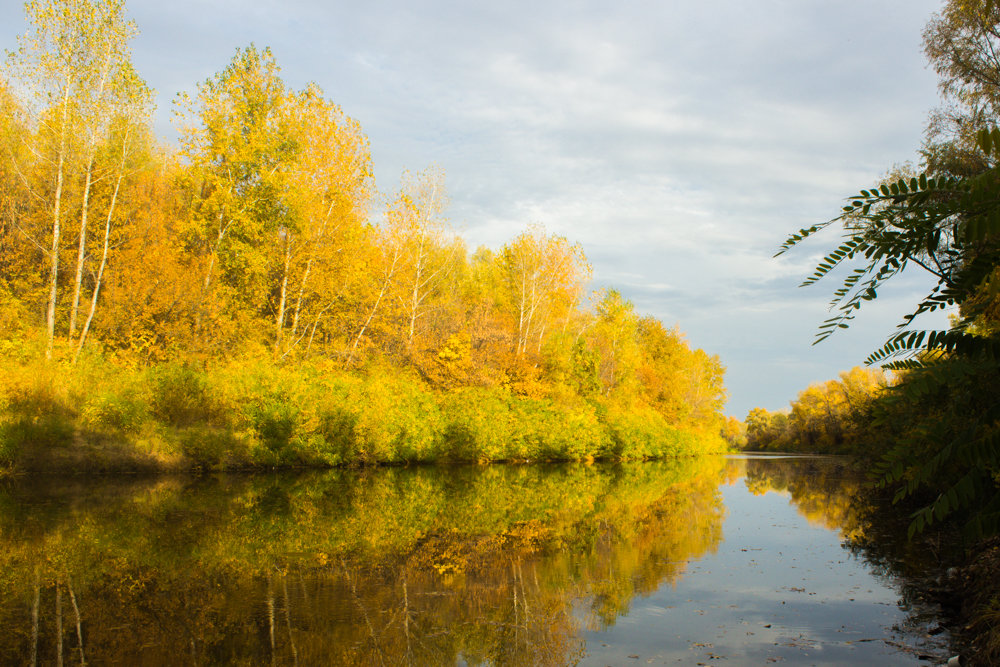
{"points": [[238, 141], [331, 185], [73, 73], [544, 277]]}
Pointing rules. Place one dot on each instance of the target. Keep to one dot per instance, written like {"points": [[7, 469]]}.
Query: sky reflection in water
{"points": [[781, 588]]}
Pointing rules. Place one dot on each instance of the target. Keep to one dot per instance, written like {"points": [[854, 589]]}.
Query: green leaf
{"points": [[985, 141]]}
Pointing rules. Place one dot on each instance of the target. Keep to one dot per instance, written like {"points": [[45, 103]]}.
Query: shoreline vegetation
{"points": [[172, 417]]}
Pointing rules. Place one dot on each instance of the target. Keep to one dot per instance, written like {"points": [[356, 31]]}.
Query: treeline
{"points": [[227, 284], [829, 418]]}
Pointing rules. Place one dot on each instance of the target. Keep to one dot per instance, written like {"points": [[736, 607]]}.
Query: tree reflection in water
{"points": [[824, 490], [831, 492], [384, 567]]}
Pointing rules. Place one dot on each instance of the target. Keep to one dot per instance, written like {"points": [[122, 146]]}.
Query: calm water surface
{"points": [[715, 561]]}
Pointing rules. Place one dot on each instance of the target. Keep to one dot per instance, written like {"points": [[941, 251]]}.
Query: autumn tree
{"points": [[236, 137], [544, 276], [758, 424], [475, 341], [331, 188], [17, 274], [151, 299], [73, 73], [379, 279], [116, 92], [614, 336], [128, 134], [428, 246], [667, 370]]}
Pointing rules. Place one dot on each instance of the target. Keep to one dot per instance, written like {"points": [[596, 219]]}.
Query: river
{"points": [[736, 560]]}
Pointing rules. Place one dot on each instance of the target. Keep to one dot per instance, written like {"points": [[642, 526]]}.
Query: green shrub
{"points": [[334, 441], [639, 432], [117, 410], [398, 419], [458, 443], [274, 423], [213, 448], [181, 395], [478, 424], [36, 417], [543, 429]]}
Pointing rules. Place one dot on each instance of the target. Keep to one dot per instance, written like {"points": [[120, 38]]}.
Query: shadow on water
{"points": [[424, 566]]}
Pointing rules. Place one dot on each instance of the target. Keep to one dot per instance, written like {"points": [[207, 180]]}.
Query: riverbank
{"points": [[173, 417], [976, 585]]}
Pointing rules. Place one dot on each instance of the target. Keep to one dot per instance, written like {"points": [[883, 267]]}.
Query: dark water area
{"points": [[718, 560]]}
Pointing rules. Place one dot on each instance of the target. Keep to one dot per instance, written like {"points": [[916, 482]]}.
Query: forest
{"points": [[248, 297]]}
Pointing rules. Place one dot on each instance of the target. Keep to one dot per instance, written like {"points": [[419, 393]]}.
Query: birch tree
{"points": [[544, 276], [133, 118], [112, 77], [428, 246], [62, 71], [332, 186]]}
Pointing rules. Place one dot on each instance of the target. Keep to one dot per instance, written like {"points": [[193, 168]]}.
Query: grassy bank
{"points": [[99, 416]]}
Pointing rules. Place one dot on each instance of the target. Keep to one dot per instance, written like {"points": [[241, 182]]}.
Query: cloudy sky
{"points": [[678, 142]]}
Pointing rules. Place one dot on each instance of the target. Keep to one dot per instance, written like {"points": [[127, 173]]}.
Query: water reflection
{"points": [[825, 490], [500, 565], [398, 566]]}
